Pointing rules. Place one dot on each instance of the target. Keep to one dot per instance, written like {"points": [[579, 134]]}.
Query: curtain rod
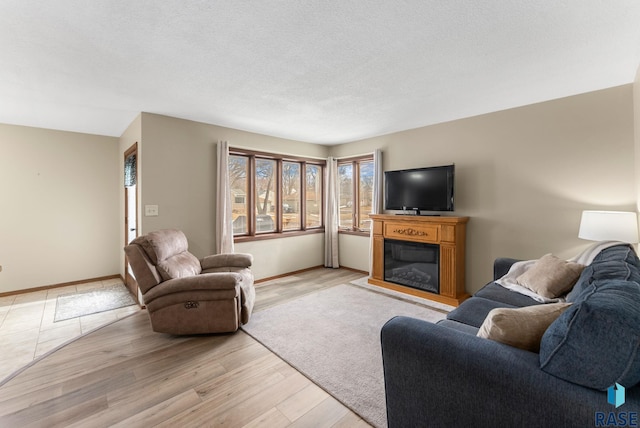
{"points": [[275, 152], [304, 156], [357, 155]]}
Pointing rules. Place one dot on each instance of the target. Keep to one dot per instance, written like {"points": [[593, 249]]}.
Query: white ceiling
{"points": [[322, 71]]}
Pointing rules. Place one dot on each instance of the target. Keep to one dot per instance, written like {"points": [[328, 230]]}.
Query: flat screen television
{"points": [[420, 189]]}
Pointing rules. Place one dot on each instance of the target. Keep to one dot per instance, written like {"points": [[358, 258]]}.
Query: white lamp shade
{"points": [[609, 226]]}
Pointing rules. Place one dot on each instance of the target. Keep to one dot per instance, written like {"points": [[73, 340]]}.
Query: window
{"points": [[313, 195], [274, 194], [238, 180], [291, 195], [265, 196], [355, 178]]}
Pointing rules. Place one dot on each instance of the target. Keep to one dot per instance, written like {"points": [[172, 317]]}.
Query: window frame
{"points": [[279, 232], [355, 182]]}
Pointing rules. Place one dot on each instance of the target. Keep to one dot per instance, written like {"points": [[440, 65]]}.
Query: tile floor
{"points": [[27, 330]]}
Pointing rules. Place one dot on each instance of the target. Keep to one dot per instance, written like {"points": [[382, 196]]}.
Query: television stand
{"points": [[418, 214], [446, 234]]}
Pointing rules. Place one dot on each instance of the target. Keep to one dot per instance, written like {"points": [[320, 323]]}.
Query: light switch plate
{"points": [[150, 210]]}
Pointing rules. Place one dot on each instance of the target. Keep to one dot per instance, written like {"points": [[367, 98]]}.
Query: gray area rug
{"points": [[89, 302], [333, 338]]}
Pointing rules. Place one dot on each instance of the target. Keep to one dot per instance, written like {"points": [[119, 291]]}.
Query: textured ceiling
{"points": [[318, 71]]}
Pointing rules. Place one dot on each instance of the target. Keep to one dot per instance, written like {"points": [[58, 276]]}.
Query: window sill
{"points": [[354, 232], [265, 236]]}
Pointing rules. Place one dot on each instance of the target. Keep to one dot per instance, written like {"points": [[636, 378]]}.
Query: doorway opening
{"points": [[130, 212]]}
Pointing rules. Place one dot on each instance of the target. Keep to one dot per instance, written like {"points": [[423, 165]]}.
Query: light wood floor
{"points": [[126, 375], [28, 329]]}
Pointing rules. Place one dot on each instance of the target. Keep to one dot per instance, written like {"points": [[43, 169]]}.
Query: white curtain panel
{"points": [[331, 215], [376, 206], [224, 220]]}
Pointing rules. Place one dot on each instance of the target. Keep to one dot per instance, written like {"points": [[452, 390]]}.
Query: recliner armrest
{"points": [[218, 281], [240, 260]]}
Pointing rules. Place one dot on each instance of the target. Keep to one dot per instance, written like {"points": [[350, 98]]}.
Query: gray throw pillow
{"points": [[521, 327], [550, 276]]}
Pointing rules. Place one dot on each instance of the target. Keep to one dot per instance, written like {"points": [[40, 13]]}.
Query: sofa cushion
{"points": [[179, 266], [521, 327], [497, 292], [550, 276], [585, 279], [620, 252], [473, 311], [617, 262], [596, 342], [465, 328]]}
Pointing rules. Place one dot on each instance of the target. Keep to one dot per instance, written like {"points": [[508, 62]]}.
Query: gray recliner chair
{"points": [[185, 295]]}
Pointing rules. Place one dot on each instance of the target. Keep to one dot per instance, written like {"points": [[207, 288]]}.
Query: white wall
{"points": [[523, 175], [179, 175], [59, 196]]}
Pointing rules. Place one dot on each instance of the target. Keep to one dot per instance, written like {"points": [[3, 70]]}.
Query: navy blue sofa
{"points": [[443, 375]]}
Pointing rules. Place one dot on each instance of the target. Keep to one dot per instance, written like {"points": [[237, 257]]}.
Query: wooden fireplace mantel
{"points": [[449, 233]]}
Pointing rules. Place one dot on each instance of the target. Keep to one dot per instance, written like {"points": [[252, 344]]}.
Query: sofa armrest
{"points": [[501, 266], [239, 260], [437, 376]]}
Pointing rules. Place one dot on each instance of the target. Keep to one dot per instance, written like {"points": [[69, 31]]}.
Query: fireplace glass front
{"points": [[413, 264]]}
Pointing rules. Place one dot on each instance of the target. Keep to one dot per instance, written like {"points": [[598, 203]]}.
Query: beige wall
{"points": [[353, 251], [275, 257], [179, 175], [59, 192], [636, 120], [523, 175]]}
